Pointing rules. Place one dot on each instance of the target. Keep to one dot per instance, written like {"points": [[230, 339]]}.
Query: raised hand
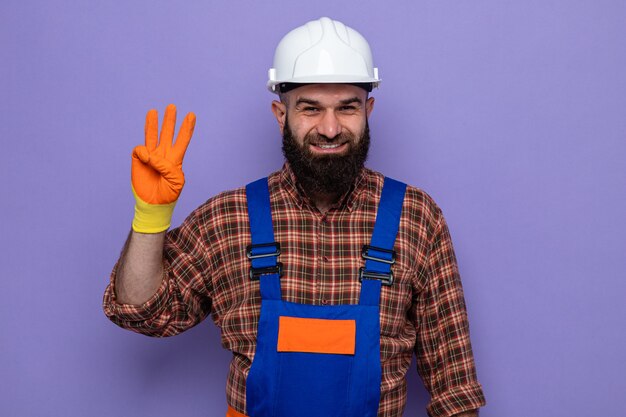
{"points": [[156, 172]]}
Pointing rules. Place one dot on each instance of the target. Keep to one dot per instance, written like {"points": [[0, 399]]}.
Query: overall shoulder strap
{"points": [[263, 251], [379, 254]]}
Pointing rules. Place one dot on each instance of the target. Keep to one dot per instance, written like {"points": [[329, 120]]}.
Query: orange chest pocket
{"points": [[296, 334]]}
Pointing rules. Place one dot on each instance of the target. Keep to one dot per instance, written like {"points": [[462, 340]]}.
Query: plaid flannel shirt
{"points": [[422, 313]]}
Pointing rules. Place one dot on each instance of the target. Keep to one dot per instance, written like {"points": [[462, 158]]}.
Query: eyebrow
{"points": [[307, 101], [351, 100], [344, 102]]}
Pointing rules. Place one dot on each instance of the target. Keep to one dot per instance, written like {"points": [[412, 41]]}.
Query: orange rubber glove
{"points": [[157, 171]]}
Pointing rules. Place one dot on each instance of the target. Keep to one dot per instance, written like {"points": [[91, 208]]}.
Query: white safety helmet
{"points": [[322, 51]]}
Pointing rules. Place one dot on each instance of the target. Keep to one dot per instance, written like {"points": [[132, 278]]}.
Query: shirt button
{"points": [[325, 258], [324, 301]]}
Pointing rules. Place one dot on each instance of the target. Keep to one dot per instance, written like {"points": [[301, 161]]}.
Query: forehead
{"points": [[327, 93]]}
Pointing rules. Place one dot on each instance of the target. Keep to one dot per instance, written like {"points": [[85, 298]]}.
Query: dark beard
{"points": [[326, 174]]}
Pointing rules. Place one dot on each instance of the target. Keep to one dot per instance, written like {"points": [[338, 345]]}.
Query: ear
{"points": [[369, 106], [280, 113]]}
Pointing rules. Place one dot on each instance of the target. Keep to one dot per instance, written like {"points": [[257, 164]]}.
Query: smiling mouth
{"points": [[329, 148], [328, 145]]}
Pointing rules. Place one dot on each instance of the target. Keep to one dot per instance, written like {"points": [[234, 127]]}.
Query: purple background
{"points": [[509, 113]]}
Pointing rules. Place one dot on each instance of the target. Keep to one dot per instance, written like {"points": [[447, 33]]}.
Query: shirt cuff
{"points": [[457, 400], [127, 313]]}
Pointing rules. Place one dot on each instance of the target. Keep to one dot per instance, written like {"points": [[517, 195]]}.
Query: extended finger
{"points": [[167, 131], [183, 138], [152, 129]]}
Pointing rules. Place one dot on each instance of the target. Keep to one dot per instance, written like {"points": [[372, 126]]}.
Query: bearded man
{"points": [[325, 277]]}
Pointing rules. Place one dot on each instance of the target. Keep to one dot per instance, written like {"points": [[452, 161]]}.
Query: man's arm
{"points": [[174, 299], [443, 350], [157, 180], [157, 285], [140, 268]]}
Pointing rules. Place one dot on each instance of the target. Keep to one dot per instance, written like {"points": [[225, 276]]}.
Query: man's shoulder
{"points": [[224, 203], [417, 202]]}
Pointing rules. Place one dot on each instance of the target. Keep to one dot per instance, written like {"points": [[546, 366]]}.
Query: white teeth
{"points": [[336, 145]]}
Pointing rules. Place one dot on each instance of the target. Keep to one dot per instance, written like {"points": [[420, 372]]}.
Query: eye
{"points": [[348, 109], [310, 109]]}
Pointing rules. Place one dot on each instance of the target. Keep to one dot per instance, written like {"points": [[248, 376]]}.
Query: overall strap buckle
{"points": [[265, 250], [250, 250], [255, 273], [365, 254], [385, 278]]}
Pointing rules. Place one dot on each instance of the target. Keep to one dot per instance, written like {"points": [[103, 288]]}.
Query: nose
{"points": [[329, 126]]}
